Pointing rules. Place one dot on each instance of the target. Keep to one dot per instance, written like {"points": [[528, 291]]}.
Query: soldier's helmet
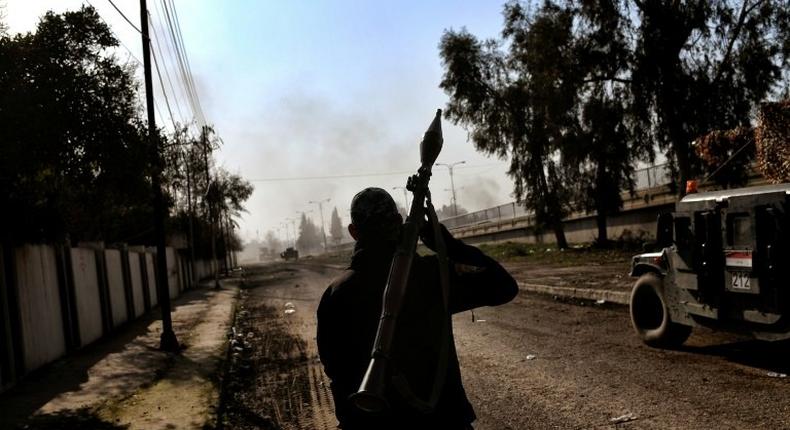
{"points": [[375, 215]]}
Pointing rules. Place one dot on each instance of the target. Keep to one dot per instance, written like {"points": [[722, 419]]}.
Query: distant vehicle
{"points": [[290, 253], [724, 263]]}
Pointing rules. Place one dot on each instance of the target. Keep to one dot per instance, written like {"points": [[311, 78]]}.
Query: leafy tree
{"points": [[73, 151], [520, 102], [576, 92], [3, 24], [446, 211], [336, 227], [309, 238], [226, 196], [603, 151], [703, 65]]}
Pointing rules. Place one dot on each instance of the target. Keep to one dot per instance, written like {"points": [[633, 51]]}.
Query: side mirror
{"points": [[665, 230]]}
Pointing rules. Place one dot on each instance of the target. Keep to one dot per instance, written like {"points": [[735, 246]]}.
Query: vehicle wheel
{"points": [[650, 316]]}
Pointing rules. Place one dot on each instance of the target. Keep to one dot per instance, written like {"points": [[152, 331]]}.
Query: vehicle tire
{"points": [[650, 315]]}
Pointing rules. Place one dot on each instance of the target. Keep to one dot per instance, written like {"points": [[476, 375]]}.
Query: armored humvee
{"points": [[290, 253], [724, 263]]}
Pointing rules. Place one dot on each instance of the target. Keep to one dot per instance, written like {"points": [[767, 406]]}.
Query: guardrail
{"points": [[645, 178]]}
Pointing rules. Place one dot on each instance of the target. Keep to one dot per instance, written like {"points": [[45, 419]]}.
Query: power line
{"points": [[162, 85], [159, 74], [183, 62], [180, 63], [166, 50], [114, 33], [124, 17], [186, 58], [350, 175]]}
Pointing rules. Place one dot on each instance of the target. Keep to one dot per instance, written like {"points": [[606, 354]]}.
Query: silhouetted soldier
{"points": [[349, 313]]}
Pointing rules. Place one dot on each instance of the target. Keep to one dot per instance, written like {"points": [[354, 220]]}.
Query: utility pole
{"points": [[190, 209], [321, 209], [214, 262], [452, 184], [167, 341], [405, 197]]}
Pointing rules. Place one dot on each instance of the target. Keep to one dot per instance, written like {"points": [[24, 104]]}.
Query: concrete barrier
{"points": [[41, 318], [87, 295], [136, 277], [149, 269], [115, 285]]}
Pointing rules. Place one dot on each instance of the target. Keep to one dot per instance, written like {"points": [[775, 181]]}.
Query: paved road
{"points": [[541, 363]]}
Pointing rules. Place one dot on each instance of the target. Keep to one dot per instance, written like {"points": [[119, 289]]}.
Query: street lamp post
{"points": [[292, 221], [284, 226], [320, 204], [452, 183]]}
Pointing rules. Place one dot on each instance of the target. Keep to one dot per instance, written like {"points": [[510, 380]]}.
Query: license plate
{"points": [[740, 281]]}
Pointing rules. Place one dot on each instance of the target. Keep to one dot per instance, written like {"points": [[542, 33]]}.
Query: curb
{"points": [[617, 297]]}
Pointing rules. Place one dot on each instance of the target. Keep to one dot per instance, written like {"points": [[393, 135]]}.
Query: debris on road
{"points": [[600, 301], [777, 375], [624, 418], [531, 357]]}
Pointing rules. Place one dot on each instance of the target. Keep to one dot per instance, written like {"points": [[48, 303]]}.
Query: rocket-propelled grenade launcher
{"points": [[371, 394]]}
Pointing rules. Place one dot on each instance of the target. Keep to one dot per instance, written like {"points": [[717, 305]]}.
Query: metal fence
{"points": [[644, 178], [652, 176]]}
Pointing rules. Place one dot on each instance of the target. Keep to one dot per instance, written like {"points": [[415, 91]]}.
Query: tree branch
{"points": [[736, 33], [606, 78]]}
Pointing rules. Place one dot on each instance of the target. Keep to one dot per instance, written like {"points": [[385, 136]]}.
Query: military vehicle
{"points": [[290, 253], [723, 262]]}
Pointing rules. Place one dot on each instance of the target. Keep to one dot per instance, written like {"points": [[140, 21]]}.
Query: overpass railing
{"points": [[645, 178]]}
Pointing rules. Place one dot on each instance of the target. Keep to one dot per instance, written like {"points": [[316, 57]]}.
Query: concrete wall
{"points": [[87, 295], [52, 302], [41, 320], [115, 285], [149, 268], [136, 278], [203, 269]]}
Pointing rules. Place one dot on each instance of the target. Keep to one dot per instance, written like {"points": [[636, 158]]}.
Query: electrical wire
{"points": [[162, 85], [350, 175], [159, 74], [166, 53], [175, 55], [186, 58], [183, 63], [115, 34], [124, 17]]}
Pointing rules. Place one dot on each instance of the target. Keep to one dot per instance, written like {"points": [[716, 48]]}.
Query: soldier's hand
{"points": [[429, 239]]}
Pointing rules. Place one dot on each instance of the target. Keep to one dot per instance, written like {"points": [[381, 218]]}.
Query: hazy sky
{"points": [[311, 89]]}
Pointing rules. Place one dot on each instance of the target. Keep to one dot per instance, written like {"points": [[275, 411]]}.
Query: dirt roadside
{"points": [[125, 382], [274, 378]]}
